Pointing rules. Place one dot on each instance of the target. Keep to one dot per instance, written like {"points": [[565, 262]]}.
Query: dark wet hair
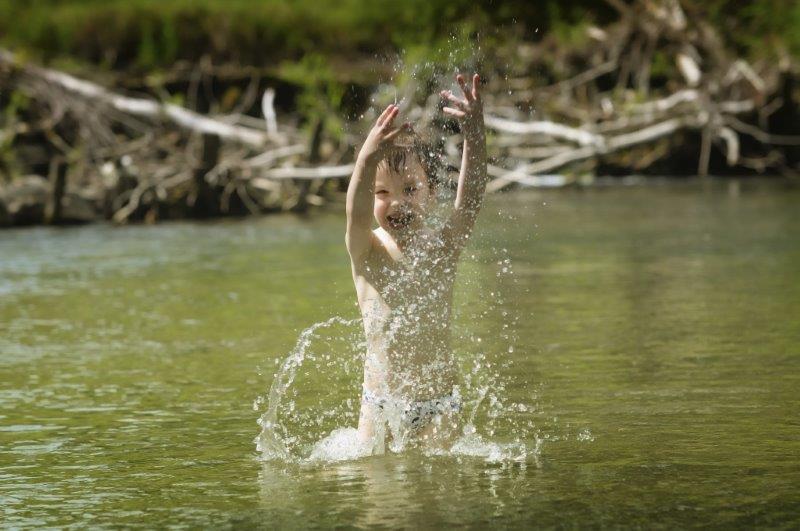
{"points": [[411, 144]]}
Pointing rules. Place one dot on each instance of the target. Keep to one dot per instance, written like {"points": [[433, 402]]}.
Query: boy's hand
{"points": [[361, 190], [472, 177], [381, 135], [469, 110]]}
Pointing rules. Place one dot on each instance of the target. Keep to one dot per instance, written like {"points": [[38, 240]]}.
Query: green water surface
{"points": [[657, 344]]}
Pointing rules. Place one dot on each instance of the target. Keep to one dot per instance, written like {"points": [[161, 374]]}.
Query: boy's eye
{"points": [[410, 189], [382, 192]]}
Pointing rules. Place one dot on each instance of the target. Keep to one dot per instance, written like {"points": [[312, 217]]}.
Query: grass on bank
{"points": [[146, 34]]}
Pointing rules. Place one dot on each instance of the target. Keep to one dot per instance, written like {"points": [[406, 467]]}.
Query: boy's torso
{"points": [[405, 300]]}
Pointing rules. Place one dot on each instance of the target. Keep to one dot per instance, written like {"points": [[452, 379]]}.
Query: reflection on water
{"points": [[655, 357], [407, 490]]}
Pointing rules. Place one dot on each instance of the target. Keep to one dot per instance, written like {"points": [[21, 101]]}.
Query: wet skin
{"points": [[403, 271]]}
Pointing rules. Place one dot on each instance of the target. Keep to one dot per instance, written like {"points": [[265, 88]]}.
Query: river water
{"points": [[654, 361]]}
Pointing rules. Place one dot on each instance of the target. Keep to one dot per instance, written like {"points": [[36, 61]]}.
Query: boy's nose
{"points": [[400, 206]]}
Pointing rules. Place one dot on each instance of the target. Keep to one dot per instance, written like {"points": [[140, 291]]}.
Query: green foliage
{"points": [[148, 33], [663, 65], [306, 37], [322, 93], [17, 103], [147, 52], [760, 28], [154, 33], [569, 29], [427, 64]]}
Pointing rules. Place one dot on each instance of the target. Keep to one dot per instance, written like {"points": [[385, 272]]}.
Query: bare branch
{"points": [[144, 107], [552, 129]]}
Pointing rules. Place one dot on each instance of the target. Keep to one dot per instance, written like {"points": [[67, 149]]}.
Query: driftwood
{"points": [[140, 158], [721, 101], [144, 108], [157, 159]]}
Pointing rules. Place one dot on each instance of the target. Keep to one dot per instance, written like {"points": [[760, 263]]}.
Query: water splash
{"points": [[298, 429], [274, 441], [291, 424]]}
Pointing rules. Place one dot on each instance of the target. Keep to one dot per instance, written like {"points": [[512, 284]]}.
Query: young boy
{"points": [[404, 271]]}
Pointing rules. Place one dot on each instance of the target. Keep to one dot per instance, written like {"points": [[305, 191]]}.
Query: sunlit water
{"points": [[652, 369]]}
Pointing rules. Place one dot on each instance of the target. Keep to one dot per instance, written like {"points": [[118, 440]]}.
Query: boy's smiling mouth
{"points": [[400, 220]]}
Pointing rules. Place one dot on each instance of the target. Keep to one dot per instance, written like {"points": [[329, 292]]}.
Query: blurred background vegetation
{"points": [[324, 51], [582, 63], [148, 34]]}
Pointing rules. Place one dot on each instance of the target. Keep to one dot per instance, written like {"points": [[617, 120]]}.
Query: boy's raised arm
{"points": [[472, 178], [361, 190]]}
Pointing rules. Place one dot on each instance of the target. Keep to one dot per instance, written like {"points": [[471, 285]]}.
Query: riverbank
{"points": [[27, 202], [642, 88]]}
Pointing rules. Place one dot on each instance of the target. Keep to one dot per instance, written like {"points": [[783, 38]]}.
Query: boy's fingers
{"points": [[446, 94], [382, 117], [393, 133], [463, 85], [454, 112], [385, 114], [476, 81], [391, 116]]}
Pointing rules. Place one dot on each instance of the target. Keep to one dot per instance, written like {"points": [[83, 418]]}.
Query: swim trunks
{"points": [[416, 415]]}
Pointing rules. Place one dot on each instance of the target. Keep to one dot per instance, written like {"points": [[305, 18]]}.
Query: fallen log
{"points": [[146, 108], [524, 173], [550, 129], [319, 172]]}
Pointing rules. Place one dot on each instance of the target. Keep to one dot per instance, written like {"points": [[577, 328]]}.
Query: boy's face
{"points": [[401, 196]]}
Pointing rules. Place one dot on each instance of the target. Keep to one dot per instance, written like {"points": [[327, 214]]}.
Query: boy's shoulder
{"points": [[384, 246], [382, 249]]}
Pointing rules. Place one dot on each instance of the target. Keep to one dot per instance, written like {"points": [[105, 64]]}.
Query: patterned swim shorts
{"points": [[416, 415]]}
